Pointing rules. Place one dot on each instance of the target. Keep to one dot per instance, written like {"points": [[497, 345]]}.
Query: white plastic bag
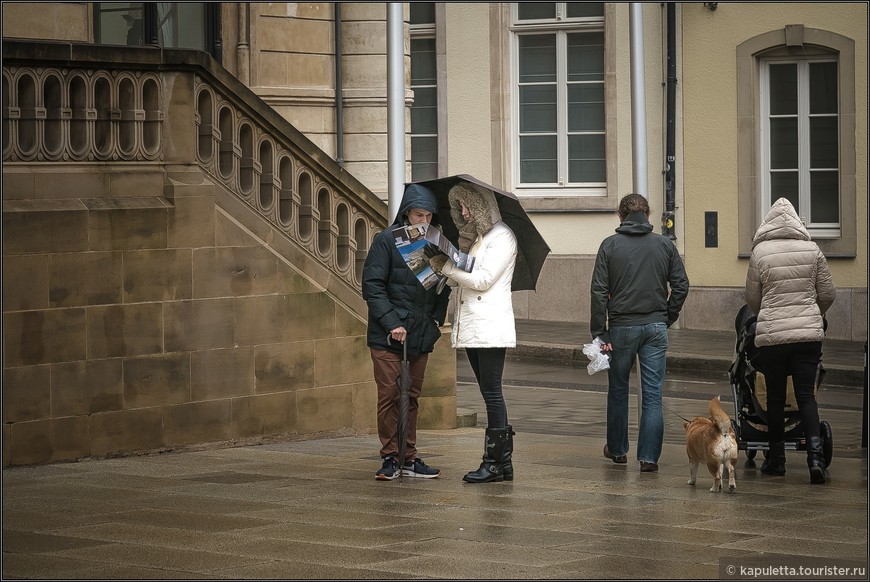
{"points": [[598, 360]]}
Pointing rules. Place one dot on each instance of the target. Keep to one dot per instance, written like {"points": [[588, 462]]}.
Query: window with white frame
{"points": [[559, 98], [800, 139], [424, 84]]}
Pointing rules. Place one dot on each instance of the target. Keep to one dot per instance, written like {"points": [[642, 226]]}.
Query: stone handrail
{"points": [[77, 103]]}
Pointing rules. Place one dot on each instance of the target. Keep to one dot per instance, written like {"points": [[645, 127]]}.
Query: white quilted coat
{"points": [[788, 283], [484, 315]]}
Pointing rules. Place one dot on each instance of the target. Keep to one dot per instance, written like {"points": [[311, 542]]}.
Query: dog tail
{"points": [[719, 416]]}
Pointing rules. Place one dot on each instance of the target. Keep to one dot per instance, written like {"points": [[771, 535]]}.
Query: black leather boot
{"points": [[507, 468], [490, 469], [774, 464], [815, 460]]}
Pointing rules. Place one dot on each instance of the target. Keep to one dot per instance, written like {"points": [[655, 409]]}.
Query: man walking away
{"points": [[638, 287]]}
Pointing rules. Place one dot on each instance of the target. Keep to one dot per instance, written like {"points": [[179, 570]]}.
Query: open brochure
{"points": [[412, 241]]}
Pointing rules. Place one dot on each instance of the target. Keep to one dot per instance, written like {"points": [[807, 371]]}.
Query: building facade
{"points": [[743, 103]]}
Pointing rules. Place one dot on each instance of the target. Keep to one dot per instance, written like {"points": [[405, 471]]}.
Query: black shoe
{"points": [[417, 468], [770, 467], [389, 470], [648, 467], [491, 469], [620, 460], [774, 464], [489, 472], [507, 466], [816, 460]]}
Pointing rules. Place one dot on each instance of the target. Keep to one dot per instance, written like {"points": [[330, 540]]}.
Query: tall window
{"points": [[800, 133], [424, 83], [192, 25], [814, 165], [559, 105]]}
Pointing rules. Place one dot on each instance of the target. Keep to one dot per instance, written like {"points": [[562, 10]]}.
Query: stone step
{"points": [[465, 418]]}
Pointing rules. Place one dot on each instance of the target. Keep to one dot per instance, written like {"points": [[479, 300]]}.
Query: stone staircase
{"points": [[181, 266]]}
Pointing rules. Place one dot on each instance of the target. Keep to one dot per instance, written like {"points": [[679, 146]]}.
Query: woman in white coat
{"points": [[483, 321]]}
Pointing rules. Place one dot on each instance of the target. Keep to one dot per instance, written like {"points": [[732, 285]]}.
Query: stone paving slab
{"points": [[570, 513]]}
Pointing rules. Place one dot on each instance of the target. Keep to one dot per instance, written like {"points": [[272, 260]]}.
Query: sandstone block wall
{"points": [[152, 322]]}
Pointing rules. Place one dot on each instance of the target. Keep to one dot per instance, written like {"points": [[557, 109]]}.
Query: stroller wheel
{"points": [[827, 442], [750, 454]]}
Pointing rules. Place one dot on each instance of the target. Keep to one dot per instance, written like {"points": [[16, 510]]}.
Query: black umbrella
{"points": [[404, 384], [532, 249]]}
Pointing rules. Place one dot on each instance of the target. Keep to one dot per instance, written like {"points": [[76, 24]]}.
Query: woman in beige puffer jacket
{"points": [[789, 287]]}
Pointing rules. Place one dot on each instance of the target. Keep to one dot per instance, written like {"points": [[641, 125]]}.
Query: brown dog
{"points": [[711, 441]]}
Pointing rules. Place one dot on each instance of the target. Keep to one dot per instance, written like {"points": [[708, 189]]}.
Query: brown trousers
{"points": [[387, 367]]}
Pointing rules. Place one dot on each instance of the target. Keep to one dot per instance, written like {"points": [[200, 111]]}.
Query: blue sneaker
{"points": [[417, 468], [389, 470]]}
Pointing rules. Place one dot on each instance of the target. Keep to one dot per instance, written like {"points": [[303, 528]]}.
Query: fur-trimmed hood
{"points": [[480, 203]]}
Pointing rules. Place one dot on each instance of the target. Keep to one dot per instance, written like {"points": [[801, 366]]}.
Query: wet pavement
{"points": [[311, 509], [548, 396]]}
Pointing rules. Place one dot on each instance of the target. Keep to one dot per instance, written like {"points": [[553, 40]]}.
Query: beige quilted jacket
{"points": [[788, 284]]}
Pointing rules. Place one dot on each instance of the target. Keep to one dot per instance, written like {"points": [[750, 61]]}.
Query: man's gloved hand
{"points": [[467, 236], [437, 262]]}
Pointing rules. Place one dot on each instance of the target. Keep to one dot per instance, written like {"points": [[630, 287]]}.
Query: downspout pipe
{"points": [[395, 107], [638, 102], [339, 90], [668, 215], [640, 179]]}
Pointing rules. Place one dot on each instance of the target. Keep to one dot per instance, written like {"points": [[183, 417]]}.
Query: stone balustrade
{"points": [[88, 111], [59, 114], [265, 171]]}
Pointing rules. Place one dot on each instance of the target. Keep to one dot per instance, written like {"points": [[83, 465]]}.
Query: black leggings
{"points": [[488, 365], [801, 362]]}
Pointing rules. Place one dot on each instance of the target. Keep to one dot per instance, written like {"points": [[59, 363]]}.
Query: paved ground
{"points": [[694, 350], [312, 509]]}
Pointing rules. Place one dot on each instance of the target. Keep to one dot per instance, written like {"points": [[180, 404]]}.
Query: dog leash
{"points": [[681, 417]]}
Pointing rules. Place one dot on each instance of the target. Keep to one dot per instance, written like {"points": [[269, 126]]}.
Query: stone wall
{"points": [[144, 323], [293, 69]]}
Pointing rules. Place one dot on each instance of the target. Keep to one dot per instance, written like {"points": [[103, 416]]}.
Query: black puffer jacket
{"points": [[394, 295]]}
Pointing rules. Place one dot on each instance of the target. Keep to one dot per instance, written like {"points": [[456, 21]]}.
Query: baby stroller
{"points": [[750, 400]]}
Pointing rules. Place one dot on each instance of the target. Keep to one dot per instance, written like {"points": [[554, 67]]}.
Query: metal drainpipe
{"points": [[638, 102], [640, 178], [670, 165], [395, 107], [339, 90]]}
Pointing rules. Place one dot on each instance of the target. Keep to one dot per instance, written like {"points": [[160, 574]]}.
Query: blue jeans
{"points": [[649, 343]]}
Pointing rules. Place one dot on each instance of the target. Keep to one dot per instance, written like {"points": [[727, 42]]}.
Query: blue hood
{"points": [[417, 196]]}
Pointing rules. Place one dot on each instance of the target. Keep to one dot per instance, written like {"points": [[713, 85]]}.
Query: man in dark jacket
{"points": [[401, 310], [631, 309]]}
